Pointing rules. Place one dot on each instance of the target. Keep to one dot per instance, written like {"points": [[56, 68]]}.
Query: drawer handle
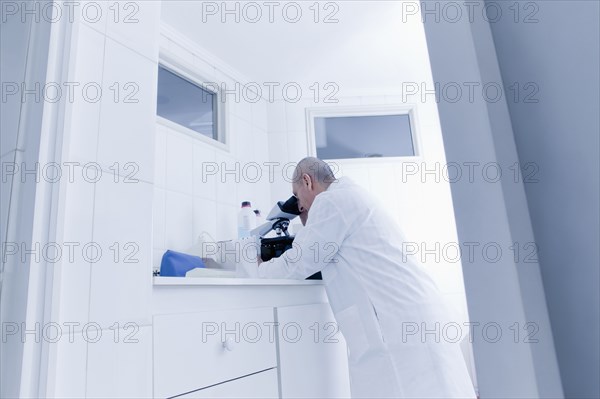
{"points": [[229, 344]]}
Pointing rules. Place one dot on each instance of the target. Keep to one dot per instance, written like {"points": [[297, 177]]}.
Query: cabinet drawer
{"points": [[195, 350], [260, 386]]}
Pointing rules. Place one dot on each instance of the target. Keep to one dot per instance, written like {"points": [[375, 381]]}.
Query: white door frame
{"points": [[52, 38]]}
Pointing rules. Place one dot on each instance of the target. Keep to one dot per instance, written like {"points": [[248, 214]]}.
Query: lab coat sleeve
{"points": [[314, 247]]}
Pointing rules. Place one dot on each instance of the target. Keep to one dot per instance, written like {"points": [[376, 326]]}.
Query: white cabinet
{"points": [[274, 343], [312, 353], [197, 350], [260, 386]]}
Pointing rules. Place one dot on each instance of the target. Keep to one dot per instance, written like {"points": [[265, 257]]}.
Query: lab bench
{"points": [[228, 281]]}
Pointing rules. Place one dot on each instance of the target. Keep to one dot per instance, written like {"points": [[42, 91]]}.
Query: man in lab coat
{"points": [[387, 307]]}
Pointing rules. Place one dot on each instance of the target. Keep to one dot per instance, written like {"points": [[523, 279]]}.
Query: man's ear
{"points": [[307, 181]]}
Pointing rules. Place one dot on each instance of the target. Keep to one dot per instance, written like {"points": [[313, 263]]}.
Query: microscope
{"points": [[278, 220]]}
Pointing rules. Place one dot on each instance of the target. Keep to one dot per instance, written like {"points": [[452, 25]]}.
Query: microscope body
{"points": [[278, 221]]}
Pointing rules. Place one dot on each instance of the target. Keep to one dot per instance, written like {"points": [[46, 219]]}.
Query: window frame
{"points": [[197, 77], [365, 110]]}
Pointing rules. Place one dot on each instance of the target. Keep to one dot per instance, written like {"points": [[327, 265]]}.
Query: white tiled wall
{"points": [[121, 280], [125, 127], [84, 119], [199, 186], [75, 276], [112, 211]]}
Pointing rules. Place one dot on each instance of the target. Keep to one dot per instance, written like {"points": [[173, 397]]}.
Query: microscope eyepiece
{"points": [[290, 206]]}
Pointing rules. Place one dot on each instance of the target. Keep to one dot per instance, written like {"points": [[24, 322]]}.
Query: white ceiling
{"points": [[370, 48]]}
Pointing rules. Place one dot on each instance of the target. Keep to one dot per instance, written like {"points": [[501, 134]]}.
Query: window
{"points": [[369, 135], [188, 104]]}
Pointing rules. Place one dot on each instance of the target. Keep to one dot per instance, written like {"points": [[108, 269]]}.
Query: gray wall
{"points": [[14, 40], [24, 57], [505, 291], [560, 133]]}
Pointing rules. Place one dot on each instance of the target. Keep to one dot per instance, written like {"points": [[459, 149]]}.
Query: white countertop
{"points": [[190, 281]]}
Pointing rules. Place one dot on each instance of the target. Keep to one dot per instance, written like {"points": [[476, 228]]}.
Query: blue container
{"points": [[177, 264]]}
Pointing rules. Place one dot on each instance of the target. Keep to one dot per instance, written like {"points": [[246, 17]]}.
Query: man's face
{"points": [[306, 192]]}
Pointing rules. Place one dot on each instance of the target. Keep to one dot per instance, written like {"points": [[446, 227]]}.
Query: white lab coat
{"points": [[376, 294]]}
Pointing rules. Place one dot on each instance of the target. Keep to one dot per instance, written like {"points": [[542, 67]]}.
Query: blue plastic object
{"points": [[177, 264]]}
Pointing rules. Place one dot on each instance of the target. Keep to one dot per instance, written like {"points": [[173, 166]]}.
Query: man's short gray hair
{"points": [[317, 169]]}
